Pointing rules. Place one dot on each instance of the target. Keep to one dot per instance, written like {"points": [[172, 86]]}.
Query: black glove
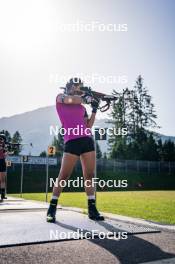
{"points": [[95, 104]]}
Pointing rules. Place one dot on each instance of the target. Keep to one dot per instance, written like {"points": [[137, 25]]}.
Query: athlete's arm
{"points": [[68, 99], [91, 120], [86, 117]]}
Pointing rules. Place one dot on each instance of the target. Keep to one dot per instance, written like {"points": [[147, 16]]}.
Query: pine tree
{"points": [[7, 135], [168, 150], [17, 139], [160, 149], [149, 149], [135, 111], [43, 154], [120, 117], [143, 109]]}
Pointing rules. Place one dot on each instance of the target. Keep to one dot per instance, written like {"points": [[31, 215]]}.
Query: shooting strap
{"points": [[85, 114], [105, 107], [62, 98]]}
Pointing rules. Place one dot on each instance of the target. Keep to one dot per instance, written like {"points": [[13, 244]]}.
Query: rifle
{"points": [[98, 97]]}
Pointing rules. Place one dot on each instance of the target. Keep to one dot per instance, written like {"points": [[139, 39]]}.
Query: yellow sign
{"points": [[8, 163], [51, 150]]}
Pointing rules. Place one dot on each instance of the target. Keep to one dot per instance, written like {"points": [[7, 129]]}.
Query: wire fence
{"points": [[118, 165], [26, 177], [134, 166]]}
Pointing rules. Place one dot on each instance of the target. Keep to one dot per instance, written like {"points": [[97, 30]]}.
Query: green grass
{"points": [[158, 206]]}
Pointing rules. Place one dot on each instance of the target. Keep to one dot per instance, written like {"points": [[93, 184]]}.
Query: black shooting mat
{"points": [[27, 227]]}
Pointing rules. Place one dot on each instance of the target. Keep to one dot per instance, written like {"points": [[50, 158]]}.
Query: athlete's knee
{"points": [[89, 175], [2, 180], [63, 176]]}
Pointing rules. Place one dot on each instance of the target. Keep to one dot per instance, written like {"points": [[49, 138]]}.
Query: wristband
{"points": [[94, 110]]}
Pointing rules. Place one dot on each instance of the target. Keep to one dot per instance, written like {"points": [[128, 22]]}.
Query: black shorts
{"points": [[2, 165], [79, 146]]}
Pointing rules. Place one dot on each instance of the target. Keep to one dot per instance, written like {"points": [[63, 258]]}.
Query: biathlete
{"points": [[72, 114], [3, 154]]}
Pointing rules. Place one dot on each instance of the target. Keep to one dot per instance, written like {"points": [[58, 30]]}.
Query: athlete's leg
{"points": [[2, 179], [2, 184], [88, 167], [67, 165]]}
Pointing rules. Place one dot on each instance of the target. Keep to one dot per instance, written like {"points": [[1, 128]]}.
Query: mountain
{"points": [[34, 127]]}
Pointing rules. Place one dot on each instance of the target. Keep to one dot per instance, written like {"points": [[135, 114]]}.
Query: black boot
{"points": [[51, 213], [3, 194], [93, 212]]}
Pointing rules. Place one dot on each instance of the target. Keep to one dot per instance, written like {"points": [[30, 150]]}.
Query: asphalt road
{"points": [[135, 249]]}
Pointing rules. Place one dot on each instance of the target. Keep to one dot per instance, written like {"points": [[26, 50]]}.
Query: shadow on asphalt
{"points": [[132, 250]]}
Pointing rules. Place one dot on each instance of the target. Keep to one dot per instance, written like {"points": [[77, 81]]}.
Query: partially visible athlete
{"points": [[3, 154], [72, 114]]}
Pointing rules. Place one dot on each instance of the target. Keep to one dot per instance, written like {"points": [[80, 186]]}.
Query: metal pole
{"points": [[22, 175], [47, 176]]}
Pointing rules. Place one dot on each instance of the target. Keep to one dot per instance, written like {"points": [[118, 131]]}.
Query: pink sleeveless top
{"points": [[71, 117]]}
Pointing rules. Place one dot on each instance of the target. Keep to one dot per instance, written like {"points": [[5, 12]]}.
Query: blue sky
{"points": [[32, 50]]}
